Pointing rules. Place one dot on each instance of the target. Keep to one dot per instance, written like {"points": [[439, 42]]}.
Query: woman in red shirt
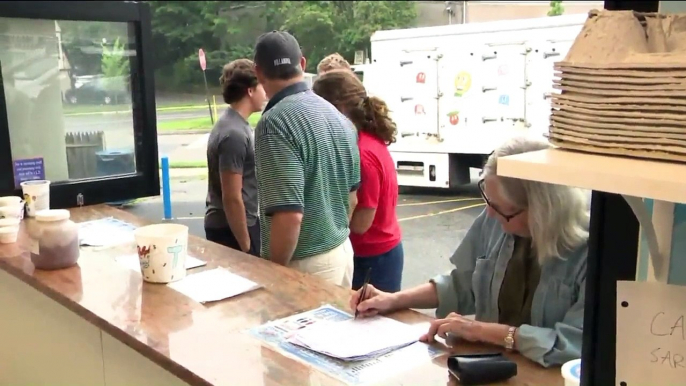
{"points": [[375, 232]]}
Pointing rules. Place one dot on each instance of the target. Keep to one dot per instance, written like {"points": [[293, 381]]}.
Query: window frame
{"points": [[146, 181]]}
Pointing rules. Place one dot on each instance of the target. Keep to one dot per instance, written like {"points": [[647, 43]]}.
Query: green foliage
{"points": [[114, 63], [115, 67], [325, 27], [556, 8], [227, 30]]}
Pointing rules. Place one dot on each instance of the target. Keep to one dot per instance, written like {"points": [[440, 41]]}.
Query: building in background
{"points": [[433, 13]]}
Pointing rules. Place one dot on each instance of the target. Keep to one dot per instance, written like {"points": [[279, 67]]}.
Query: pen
{"points": [[364, 289]]}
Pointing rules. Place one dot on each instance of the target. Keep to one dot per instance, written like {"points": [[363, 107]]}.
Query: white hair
{"points": [[558, 215]]}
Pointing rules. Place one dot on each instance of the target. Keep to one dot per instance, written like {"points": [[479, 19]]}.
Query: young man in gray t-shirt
{"points": [[231, 217]]}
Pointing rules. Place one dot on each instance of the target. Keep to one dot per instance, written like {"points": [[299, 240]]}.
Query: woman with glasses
{"points": [[520, 269]]}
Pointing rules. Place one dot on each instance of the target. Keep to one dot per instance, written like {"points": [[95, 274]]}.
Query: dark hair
{"points": [[237, 77], [344, 90]]}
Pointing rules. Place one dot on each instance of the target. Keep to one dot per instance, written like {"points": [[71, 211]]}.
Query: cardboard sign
{"points": [[28, 170], [651, 334]]}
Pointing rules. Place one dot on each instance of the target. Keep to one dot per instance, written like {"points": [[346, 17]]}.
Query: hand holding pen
{"points": [[370, 301]]}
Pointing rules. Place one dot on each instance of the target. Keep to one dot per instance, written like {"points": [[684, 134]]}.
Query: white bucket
{"points": [[162, 250], [9, 230], [571, 372], [10, 201], [11, 207], [36, 195], [8, 235]]}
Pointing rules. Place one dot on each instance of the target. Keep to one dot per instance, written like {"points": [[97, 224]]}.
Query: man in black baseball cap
{"points": [[278, 61], [307, 167]]}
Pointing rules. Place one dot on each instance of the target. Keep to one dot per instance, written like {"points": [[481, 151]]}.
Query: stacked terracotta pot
{"points": [[623, 87]]}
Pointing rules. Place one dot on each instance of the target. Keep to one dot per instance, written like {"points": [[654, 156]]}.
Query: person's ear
{"points": [[303, 63], [258, 74]]}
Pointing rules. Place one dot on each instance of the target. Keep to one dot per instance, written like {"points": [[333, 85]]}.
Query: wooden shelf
{"points": [[642, 178]]}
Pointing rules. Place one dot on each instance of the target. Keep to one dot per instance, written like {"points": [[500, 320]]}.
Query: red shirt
{"points": [[379, 190]]}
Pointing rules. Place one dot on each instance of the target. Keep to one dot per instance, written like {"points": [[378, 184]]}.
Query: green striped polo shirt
{"points": [[307, 160]]}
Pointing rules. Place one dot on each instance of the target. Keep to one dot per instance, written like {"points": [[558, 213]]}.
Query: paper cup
{"points": [[36, 195], [162, 252]]}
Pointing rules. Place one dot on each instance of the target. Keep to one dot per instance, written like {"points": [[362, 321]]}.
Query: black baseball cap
{"points": [[278, 54]]}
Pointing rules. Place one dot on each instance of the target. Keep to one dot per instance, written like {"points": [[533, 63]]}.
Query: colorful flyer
{"points": [[277, 333]]}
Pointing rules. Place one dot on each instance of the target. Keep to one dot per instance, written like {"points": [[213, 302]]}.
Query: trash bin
{"points": [[115, 162]]}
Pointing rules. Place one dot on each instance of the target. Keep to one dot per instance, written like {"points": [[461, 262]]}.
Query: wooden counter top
{"points": [[207, 344]]}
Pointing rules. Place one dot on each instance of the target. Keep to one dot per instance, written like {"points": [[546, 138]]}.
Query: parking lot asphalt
{"points": [[433, 222]]}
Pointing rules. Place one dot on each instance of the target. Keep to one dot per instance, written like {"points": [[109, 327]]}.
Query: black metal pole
{"points": [[612, 256], [207, 96]]}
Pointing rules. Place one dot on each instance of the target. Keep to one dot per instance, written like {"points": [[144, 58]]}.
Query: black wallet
{"points": [[481, 369]]}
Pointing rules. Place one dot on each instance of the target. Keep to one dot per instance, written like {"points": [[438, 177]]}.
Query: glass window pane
{"points": [[67, 88]]}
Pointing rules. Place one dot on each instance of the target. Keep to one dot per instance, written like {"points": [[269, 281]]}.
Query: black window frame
{"points": [[146, 181], [612, 256]]}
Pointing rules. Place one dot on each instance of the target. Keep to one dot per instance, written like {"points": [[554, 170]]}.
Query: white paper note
{"points": [[213, 285], [651, 334], [105, 232], [132, 262], [356, 340]]}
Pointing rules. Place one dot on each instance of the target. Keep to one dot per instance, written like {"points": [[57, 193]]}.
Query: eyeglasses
{"points": [[507, 217]]}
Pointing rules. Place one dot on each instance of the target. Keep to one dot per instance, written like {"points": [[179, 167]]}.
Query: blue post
{"points": [[166, 189]]}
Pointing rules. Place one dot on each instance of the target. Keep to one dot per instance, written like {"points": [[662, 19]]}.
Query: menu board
{"points": [[651, 334]]}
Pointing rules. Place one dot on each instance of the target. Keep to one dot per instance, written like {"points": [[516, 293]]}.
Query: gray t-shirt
{"points": [[231, 147]]}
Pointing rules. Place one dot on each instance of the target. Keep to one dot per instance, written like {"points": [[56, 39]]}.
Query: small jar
{"points": [[54, 240]]}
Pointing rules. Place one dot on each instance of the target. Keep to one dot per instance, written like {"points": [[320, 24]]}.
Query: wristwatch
{"points": [[510, 338]]}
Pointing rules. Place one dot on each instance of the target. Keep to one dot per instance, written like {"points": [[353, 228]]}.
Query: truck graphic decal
{"points": [[454, 117], [421, 78], [463, 82]]}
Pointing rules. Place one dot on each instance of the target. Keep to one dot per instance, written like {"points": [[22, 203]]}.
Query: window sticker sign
{"points": [[28, 170]]}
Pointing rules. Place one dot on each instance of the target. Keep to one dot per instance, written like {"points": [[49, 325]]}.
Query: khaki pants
{"points": [[335, 266]]}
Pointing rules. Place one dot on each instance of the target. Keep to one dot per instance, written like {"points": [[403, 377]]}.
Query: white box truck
{"points": [[458, 91]]}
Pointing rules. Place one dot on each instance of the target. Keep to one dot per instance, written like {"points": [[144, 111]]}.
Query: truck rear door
{"points": [[482, 96], [540, 74], [416, 107]]}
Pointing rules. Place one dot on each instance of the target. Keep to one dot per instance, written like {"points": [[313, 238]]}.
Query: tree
{"points": [[227, 30], [556, 8], [115, 68], [181, 28], [325, 27]]}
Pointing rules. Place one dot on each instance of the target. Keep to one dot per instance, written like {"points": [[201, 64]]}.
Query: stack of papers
{"points": [[356, 340], [213, 285], [106, 232]]}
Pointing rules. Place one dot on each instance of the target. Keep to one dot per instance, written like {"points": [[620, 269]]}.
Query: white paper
{"points": [[105, 232], [213, 285], [132, 262], [355, 340]]}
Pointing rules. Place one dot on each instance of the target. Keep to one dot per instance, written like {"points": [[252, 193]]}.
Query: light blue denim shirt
{"points": [[557, 310]]}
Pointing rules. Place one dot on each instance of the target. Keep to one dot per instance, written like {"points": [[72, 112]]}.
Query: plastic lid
{"points": [[52, 215], [572, 370]]}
